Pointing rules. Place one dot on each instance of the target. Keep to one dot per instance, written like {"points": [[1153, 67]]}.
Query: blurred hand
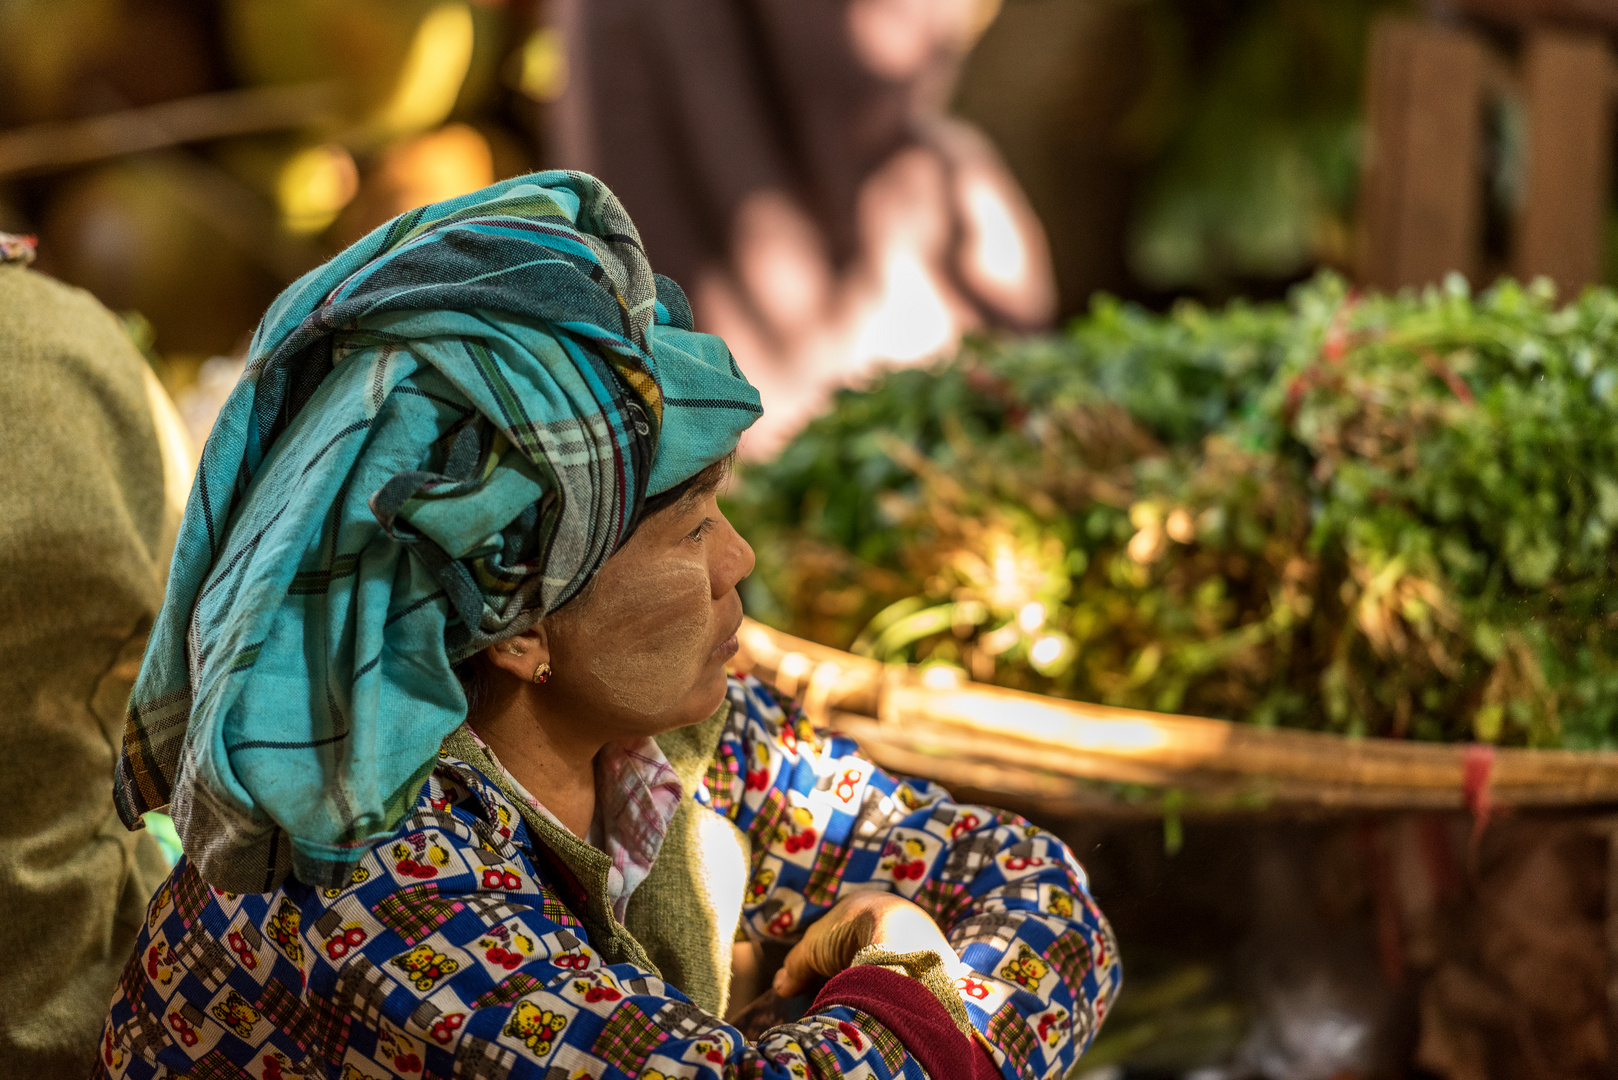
{"points": [[866, 918]]}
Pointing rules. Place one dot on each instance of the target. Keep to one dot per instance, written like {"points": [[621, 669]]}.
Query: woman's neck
{"points": [[546, 757]]}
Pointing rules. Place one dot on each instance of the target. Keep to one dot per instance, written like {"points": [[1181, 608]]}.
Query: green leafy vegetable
{"points": [[1377, 515]]}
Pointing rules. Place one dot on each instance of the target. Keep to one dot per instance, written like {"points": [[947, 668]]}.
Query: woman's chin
{"points": [[697, 704], [702, 700]]}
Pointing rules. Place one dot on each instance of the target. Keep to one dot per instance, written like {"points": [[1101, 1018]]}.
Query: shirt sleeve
{"points": [[825, 822], [448, 954]]}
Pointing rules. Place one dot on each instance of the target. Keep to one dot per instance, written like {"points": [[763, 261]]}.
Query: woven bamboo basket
{"points": [[1072, 757]]}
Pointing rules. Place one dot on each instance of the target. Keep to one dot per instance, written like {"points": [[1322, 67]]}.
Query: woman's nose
{"points": [[734, 562]]}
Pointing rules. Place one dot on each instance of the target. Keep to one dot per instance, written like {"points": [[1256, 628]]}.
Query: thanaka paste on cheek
{"points": [[662, 619]]}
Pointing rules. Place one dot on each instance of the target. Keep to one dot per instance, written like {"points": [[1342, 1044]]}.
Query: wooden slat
{"points": [[1568, 90], [59, 145], [1050, 748], [1421, 196], [1591, 14]]}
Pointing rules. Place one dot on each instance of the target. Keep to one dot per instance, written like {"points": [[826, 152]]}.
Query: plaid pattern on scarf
{"points": [[441, 436]]}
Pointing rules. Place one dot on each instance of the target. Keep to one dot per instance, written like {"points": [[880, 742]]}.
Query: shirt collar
{"points": [[637, 793]]}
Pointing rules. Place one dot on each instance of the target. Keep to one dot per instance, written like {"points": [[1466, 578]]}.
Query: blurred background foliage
{"points": [[1170, 146], [364, 108], [1282, 90], [1021, 510]]}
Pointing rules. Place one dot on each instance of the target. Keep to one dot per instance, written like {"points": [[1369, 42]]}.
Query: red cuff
{"points": [[920, 1021]]}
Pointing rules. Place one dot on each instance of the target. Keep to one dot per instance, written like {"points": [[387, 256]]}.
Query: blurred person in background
{"points": [[438, 696], [85, 526], [794, 165]]}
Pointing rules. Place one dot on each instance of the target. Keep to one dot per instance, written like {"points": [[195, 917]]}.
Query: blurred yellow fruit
{"points": [[540, 66], [434, 69], [313, 187], [48, 44], [401, 63], [1179, 526], [454, 160]]}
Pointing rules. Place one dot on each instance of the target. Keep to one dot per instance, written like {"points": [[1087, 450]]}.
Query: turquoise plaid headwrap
{"points": [[441, 436]]}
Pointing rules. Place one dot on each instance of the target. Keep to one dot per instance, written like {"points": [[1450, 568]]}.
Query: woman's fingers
{"points": [[796, 971], [828, 946], [868, 918]]}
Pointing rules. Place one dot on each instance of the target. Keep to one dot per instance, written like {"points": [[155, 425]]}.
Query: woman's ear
{"points": [[521, 655]]}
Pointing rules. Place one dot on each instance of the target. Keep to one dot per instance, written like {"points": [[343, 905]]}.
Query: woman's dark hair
{"points": [[473, 671], [692, 488]]}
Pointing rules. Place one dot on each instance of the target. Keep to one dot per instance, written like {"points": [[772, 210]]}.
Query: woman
{"points": [[438, 697]]}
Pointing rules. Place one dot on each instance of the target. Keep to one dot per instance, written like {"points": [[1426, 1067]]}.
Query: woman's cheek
{"points": [[660, 637]]}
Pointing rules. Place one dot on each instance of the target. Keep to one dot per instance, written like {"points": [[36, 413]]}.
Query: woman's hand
{"points": [[865, 918]]}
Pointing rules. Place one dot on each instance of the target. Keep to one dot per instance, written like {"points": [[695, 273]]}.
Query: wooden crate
{"points": [[1429, 89], [1567, 94], [1421, 193], [1600, 15]]}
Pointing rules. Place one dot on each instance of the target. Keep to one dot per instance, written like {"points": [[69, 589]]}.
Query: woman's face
{"points": [[644, 650]]}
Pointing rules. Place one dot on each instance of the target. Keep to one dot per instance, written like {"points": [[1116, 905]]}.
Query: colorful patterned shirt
{"points": [[454, 951]]}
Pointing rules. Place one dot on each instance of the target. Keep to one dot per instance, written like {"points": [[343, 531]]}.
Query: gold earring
{"points": [[542, 673]]}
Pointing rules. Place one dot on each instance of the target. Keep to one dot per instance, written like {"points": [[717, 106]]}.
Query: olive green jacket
{"points": [[82, 523]]}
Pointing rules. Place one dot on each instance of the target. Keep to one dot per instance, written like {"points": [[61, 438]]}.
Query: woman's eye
{"points": [[701, 530]]}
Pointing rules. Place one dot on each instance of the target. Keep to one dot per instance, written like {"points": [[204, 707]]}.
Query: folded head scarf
{"points": [[441, 436]]}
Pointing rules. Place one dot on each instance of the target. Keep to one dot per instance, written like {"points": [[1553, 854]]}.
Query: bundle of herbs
{"points": [[1363, 514]]}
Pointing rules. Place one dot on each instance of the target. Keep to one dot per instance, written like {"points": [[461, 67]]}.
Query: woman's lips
{"points": [[727, 648]]}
